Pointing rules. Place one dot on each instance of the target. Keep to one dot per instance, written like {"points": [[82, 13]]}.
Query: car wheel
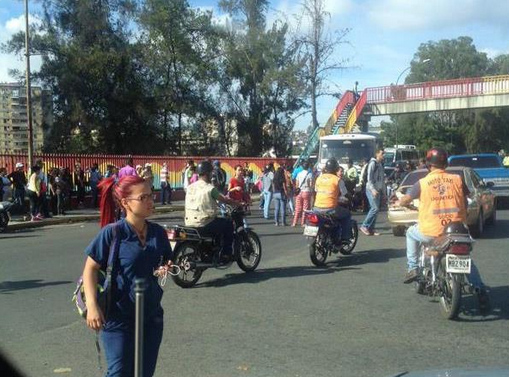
{"points": [[493, 218], [399, 231], [477, 229]]}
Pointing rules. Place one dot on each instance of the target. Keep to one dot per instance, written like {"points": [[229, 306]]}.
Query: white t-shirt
{"points": [[303, 179]]}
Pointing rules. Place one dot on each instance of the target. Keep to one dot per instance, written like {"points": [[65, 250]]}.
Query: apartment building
{"points": [[14, 119]]}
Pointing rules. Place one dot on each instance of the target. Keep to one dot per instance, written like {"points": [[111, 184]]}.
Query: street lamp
{"points": [[407, 68]]}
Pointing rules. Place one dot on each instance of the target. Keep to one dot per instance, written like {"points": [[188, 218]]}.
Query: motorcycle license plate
{"points": [[310, 231], [458, 264]]}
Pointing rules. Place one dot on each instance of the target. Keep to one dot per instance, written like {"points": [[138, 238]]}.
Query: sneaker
{"points": [[411, 276], [373, 233], [365, 230]]}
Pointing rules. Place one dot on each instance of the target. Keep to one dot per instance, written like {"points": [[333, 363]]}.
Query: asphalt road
{"points": [[288, 319]]}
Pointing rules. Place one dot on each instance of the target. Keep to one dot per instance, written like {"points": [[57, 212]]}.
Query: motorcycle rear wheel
{"points": [[317, 252], [248, 251], [186, 254], [348, 248], [450, 293]]}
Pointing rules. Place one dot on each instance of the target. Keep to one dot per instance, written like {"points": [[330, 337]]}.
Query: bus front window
{"points": [[341, 150]]}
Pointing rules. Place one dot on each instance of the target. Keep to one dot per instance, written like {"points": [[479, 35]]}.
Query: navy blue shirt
{"points": [[133, 261]]}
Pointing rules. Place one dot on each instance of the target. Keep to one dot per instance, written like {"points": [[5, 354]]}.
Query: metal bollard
{"points": [[139, 290]]}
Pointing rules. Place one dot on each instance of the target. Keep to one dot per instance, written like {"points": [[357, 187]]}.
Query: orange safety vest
{"points": [[327, 191], [442, 201]]}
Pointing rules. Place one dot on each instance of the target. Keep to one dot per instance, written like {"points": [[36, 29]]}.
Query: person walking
{"points": [[219, 176], [148, 176], [375, 187], [164, 179], [267, 178], [95, 178], [304, 186], [288, 170], [19, 181], [279, 195], [127, 169], [143, 248], [34, 193], [79, 183]]}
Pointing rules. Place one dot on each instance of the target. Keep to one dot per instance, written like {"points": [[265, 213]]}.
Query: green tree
{"points": [[457, 131], [179, 50]]}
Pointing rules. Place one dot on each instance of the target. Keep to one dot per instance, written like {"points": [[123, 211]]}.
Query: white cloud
{"points": [[417, 15], [8, 61], [493, 53]]}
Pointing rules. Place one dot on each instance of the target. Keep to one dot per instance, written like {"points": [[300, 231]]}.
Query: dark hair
{"points": [[279, 179], [129, 161]]}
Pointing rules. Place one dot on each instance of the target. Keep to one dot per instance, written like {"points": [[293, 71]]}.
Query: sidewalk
{"points": [[78, 215]]}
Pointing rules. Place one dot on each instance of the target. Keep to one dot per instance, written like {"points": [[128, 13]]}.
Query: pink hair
{"points": [[112, 193]]}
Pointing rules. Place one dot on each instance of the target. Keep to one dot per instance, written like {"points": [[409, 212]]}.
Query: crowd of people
{"points": [[53, 191]]}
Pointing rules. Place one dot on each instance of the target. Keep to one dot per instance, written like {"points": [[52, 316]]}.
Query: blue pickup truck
{"points": [[489, 167]]}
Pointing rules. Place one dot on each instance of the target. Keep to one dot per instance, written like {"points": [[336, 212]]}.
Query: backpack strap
{"points": [[112, 258]]}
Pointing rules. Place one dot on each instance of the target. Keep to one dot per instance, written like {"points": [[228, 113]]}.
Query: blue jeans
{"points": [[345, 219], [414, 237], [374, 208], [279, 208], [118, 341], [267, 198], [223, 227]]}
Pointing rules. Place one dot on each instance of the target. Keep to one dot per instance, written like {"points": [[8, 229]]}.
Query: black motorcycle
{"points": [[5, 215], [323, 229], [443, 268], [194, 252]]}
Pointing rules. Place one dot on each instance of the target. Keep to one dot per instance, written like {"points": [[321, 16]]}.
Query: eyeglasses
{"points": [[143, 198]]}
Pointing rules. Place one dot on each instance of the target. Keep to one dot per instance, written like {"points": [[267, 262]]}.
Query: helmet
{"points": [[437, 157], [204, 167], [19, 165], [331, 166], [216, 163], [455, 227]]}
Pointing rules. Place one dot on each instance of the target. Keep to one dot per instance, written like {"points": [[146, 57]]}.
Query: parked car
{"points": [[490, 168], [481, 201]]}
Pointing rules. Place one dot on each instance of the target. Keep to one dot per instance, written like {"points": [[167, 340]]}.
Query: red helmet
{"points": [[437, 157]]}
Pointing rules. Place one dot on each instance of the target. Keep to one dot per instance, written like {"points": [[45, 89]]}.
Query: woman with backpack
{"points": [[143, 248]]}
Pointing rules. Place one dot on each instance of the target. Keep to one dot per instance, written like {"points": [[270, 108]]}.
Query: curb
{"points": [[75, 219]]}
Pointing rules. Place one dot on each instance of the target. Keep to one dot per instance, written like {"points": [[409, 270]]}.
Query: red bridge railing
{"points": [[477, 86]]}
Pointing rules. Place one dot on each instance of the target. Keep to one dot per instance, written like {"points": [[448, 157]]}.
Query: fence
{"points": [[175, 164]]}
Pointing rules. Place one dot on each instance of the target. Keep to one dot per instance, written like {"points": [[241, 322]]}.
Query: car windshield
{"points": [[476, 162], [356, 150]]}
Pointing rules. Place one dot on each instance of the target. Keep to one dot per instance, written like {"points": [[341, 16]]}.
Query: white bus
{"points": [[354, 146]]}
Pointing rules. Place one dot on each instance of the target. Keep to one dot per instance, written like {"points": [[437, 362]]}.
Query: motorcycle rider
{"points": [[442, 199], [201, 209], [327, 188]]}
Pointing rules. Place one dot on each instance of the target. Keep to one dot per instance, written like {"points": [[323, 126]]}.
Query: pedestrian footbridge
{"points": [[458, 94]]}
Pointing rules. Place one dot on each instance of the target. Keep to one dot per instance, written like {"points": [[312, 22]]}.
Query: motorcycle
{"points": [[194, 252], [5, 215], [443, 268], [322, 230]]}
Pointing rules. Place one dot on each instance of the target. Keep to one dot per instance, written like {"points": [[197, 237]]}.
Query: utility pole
{"points": [[29, 91]]}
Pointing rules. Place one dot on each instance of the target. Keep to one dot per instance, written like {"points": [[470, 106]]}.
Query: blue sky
{"points": [[385, 34]]}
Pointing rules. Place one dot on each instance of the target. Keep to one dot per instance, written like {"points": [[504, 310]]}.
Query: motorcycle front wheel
{"points": [[347, 249], [317, 251], [248, 249], [449, 293], [186, 256]]}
